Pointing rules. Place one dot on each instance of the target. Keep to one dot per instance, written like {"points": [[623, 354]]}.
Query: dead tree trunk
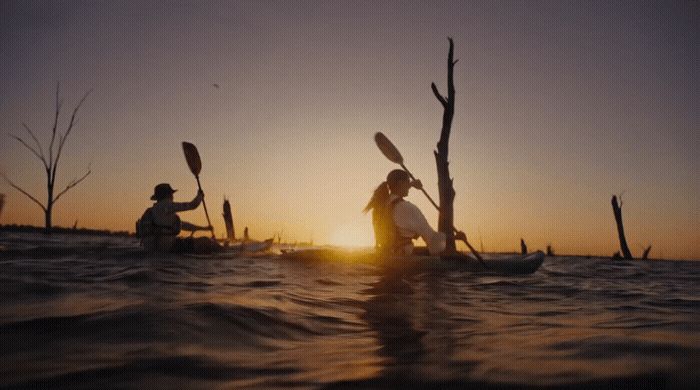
{"points": [[645, 255], [47, 216], [228, 220], [445, 186], [617, 210], [523, 247]]}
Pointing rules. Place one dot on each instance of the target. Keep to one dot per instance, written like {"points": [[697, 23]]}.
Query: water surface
{"points": [[105, 317]]}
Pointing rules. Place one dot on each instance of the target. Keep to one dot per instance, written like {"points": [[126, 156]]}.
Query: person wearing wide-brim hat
{"points": [[160, 225], [163, 191]]}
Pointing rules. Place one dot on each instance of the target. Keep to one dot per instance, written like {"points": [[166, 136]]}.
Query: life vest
{"points": [[388, 239], [147, 226]]}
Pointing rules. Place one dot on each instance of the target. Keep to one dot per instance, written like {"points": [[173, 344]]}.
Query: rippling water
{"points": [[108, 319]]}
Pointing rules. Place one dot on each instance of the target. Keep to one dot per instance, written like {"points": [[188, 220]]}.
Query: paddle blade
{"points": [[387, 148], [192, 157]]}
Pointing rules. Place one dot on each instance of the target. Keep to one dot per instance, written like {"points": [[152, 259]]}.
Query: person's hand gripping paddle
{"points": [[195, 164]]}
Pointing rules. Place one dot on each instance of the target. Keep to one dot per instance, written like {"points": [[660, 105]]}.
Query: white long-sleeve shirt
{"points": [[411, 222]]}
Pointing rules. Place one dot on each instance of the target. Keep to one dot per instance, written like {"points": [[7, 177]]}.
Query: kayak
{"points": [[499, 264], [505, 265], [249, 248]]}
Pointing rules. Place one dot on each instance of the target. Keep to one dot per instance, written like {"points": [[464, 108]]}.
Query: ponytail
{"points": [[379, 198]]}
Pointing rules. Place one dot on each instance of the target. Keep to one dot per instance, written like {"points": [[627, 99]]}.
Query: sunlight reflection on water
{"points": [[116, 322]]}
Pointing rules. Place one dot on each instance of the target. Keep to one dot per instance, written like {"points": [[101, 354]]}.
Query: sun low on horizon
{"points": [[352, 235]]}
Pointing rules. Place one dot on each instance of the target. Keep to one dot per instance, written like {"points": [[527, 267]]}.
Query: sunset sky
{"points": [[559, 105]]}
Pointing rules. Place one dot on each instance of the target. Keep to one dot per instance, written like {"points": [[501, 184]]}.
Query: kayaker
{"points": [[397, 222], [160, 225]]}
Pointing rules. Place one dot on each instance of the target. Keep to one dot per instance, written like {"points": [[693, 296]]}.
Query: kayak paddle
{"points": [[195, 164], [392, 153]]}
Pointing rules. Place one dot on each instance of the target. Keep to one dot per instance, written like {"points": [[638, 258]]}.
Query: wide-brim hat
{"points": [[162, 190]]}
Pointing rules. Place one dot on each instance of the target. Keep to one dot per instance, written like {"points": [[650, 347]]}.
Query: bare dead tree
{"points": [[645, 255], [445, 183], [50, 162], [523, 247], [617, 210]]}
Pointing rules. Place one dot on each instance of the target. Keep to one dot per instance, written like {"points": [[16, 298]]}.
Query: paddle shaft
{"points": [[204, 203], [471, 248]]}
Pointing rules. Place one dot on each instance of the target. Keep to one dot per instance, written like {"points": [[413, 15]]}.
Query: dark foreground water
{"points": [[106, 319]]}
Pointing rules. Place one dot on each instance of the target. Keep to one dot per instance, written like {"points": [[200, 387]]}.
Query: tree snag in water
{"points": [[550, 251], [617, 210], [50, 162], [445, 186], [228, 220]]}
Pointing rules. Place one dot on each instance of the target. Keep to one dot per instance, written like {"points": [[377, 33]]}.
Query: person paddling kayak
{"points": [[397, 222], [160, 225]]}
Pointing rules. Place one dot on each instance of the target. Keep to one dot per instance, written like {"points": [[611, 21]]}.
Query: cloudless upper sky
{"points": [[560, 104]]}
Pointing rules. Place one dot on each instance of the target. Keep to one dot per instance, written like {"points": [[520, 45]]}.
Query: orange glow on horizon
{"points": [[352, 235]]}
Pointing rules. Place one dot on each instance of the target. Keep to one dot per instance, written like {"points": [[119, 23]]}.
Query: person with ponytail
{"points": [[397, 222]]}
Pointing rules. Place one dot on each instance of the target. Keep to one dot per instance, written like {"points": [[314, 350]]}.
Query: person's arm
{"points": [[185, 206], [190, 227], [409, 217]]}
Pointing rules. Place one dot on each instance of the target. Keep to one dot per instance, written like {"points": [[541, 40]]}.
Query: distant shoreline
{"points": [[64, 230], [13, 228]]}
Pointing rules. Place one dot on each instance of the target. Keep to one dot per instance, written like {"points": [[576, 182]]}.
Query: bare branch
{"points": [[437, 95], [62, 139], [36, 141], [450, 72], [28, 147], [455, 62], [619, 197], [59, 103], [15, 186], [72, 184]]}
